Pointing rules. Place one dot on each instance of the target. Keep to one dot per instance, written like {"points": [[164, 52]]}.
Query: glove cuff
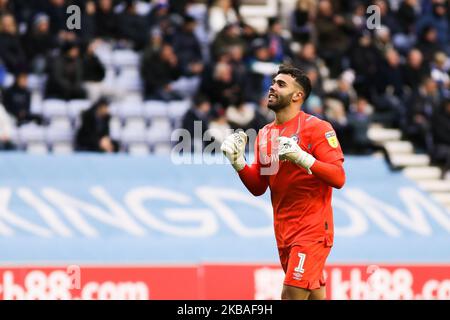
{"points": [[239, 164], [306, 161]]}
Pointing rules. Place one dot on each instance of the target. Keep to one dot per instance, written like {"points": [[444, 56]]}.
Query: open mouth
{"points": [[272, 96]]}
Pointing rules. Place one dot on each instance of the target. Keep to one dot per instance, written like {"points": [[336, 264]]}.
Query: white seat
{"points": [[36, 148], [54, 108], [125, 58], [158, 133], [131, 109], [138, 149], [162, 149], [62, 148], [36, 102], [177, 109], [135, 123], [59, 131], [129, 80], [36, 82], [31, 132], [155, 108], [115, 127], [77, 106], [131, 134]]}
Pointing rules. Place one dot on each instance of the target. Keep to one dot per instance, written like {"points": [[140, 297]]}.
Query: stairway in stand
{"points": [[401, 156]]}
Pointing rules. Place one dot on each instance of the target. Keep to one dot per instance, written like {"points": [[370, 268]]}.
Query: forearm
{"points": [[253, 181], [332, 174]]}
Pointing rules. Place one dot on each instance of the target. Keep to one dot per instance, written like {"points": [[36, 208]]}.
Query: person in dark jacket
{"points": [[65, 79], [158, 70], [11, 51], [199, 113], [93, 135], [17, 100], [105, 20]]}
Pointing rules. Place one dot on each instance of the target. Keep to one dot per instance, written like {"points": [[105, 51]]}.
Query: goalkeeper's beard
{"points": [[280, 103]]}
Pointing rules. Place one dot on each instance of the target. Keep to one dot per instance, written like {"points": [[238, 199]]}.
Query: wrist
{"points": [[239, 164]]}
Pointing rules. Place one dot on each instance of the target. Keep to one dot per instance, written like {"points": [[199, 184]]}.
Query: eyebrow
{"points": [[279, 81]]}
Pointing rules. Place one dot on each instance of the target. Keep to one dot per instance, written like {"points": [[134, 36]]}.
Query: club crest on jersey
{"points": [[332, 139]]}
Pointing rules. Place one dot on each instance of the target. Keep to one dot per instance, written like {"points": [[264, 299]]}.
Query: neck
{"points": [[286, 114]]}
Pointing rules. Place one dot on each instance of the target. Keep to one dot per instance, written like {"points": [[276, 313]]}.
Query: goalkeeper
{"points": [[299, 158]]}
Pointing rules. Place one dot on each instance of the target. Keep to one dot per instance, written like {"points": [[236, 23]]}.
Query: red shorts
{"points": [[303, 264]]}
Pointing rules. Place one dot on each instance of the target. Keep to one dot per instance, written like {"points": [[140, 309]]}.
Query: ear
{"points": [[297, 96]]}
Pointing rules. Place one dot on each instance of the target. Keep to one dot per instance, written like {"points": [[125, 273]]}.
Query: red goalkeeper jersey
{"points": [[301, 202]]}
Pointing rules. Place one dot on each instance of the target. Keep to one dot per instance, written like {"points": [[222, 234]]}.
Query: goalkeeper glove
{"points": [[288, 149], [233, 148]]}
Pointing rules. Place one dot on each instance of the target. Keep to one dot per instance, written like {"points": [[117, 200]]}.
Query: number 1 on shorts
{"points": [[301, 262]]}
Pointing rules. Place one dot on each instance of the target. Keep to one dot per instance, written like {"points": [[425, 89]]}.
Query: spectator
{"points": [[6, 128], [359, 119], [221, 14], [278, 46], [344, 91], [440, 72], [438, 20], [93, 72], [17, 100], [415, 70], [158, 71], [38, 42], [300, 20], [132, 27], [186, 44], [65, 79], [422, 109], [428, 43], [218, 130], [364, 61], [241, 115], [223, 90], [261, 70], [332, 34], [228, 37], [11, 51], [263, 115], [105, 20], [440, 131], [93, 135], [196, 116], [407, 16]]}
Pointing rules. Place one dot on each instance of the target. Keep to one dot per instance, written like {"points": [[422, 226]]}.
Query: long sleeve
{"points": [[332, 174], [253, 180], [251, 175]]}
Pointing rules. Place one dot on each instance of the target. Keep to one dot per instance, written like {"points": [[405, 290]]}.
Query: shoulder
{"points": [[318, 127]]}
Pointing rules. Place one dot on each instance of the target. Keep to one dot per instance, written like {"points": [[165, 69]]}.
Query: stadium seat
{"points": [[60, 129], [134, 130], [36, 102], [177, 109], [125, 58], [36, 148], [62, 148], [162, 149], [159, 131], [155, 108], [128, 80], [138, 149], [115, 127], [130, 109], [77, 106], [31, 132], [54, 108]]}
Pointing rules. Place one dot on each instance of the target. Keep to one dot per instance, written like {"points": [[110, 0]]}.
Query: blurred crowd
{"points": [[395, 73]]}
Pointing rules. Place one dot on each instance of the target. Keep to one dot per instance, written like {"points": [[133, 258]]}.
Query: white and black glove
{"points": [[233, 148], [288, 149]]}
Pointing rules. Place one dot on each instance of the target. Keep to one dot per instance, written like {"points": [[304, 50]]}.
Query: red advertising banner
{"points": [[224, 281]]}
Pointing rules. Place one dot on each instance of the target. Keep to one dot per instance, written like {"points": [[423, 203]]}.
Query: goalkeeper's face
{"points": [[281, 92]]}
